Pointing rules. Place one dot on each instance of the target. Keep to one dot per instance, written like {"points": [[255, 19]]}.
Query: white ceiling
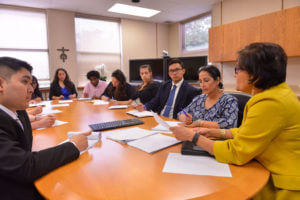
{"points": [[171, 10]]}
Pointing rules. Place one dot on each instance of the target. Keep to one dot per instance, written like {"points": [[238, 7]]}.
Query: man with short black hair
{"points": [[174, 94], [95, 87], [19, 166]]}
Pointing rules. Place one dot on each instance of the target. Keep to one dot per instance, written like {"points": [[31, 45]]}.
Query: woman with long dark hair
{"points": [[62, 87], [118, 91], [36, 96], [213, 108]]}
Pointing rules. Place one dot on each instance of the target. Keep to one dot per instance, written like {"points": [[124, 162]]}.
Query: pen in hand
{"points": [[184, 113], [189, 118]]}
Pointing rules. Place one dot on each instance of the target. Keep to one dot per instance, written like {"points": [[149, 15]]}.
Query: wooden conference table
{"points": [[111, 170]]}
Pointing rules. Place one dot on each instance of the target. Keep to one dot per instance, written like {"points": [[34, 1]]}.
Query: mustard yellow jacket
{"points": [[269, 133]]}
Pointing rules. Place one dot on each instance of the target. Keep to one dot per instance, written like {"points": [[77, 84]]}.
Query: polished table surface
{"points": [[111, 170]]}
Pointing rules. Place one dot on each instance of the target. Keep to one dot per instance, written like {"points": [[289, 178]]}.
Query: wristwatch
{"points": [[195, 138]]}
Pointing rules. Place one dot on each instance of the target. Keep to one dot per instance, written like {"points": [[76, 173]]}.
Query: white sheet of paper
{"points": [[128, 134], [163, 129], [140, 114], [65, 101], [92, 136], [195, 165], [84, 99], [154, 143], [56, 123], [161, 121], [43, 103], [49, 111], [118, 107], [91, 143], [60, 105], [100, 102]]}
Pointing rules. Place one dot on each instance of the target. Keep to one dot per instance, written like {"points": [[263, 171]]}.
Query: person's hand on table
{"points": [[81, 141], [113, 102], [46, 121], [140, 107], [182, 133]]}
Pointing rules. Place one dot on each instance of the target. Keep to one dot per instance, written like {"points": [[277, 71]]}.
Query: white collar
{"points": [[9, 112], [178, 84]]}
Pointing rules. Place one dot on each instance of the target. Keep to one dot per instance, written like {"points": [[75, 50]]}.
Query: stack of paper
{"points": [[65, 101], [128, 134], [60, 105], [100, 102], [195, 165], [154, 143], [140, 114], [48, 112], [118, 107]]}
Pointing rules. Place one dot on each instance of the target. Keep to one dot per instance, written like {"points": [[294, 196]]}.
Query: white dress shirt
{"points": [[11, 114], [178, 85]]}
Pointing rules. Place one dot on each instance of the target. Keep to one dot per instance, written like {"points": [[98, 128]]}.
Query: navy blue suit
{"points": [[184, 97]]}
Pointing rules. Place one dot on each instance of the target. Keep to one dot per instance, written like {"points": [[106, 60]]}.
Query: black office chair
{"points": [[242, 100]]}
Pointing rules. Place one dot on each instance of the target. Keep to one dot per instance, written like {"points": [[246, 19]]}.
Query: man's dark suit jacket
{"points": [[184, 97], [19, 166]]}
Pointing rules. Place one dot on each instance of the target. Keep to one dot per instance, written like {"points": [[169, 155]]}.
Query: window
{"points": [[98, 44], [24, 36], [195, 34]]}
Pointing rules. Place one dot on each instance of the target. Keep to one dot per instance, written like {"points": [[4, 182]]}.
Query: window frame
{"points": [[102, 18], [182, 29], [36, 10]]}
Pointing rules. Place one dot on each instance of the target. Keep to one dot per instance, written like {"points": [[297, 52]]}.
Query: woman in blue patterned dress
{"points": [[213, 108]]}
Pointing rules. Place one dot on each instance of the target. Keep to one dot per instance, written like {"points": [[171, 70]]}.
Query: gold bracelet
{"points": [[223, 133]]}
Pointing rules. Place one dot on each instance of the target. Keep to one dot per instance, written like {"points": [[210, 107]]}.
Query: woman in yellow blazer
{"points": [[270, 130]]}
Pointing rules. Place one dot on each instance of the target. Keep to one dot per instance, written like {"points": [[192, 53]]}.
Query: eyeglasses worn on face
{"points": [[174, 70]]}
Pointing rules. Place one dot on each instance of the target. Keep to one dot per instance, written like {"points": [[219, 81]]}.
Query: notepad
{"points": [[154, 143], [118, 107], [49, 111], [60, 105], [100, 102], [128, 134], [195, 165], [136, 113], [65, 101], [56, 123]]}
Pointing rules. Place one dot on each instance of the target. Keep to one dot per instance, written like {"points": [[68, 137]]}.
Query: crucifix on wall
{"points": [[63, 56]]}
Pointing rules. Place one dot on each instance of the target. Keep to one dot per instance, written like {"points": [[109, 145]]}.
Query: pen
{"points": [[184, 113]]}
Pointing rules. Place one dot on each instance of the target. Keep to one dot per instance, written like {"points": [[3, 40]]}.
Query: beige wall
{"points": [[142, 40], [234, 10], [61, 33]]}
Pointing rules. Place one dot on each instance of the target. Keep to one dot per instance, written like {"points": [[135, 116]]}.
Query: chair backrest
{"points": [[242, 98]]}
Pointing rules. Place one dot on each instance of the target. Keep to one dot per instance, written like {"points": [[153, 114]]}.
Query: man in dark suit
{"points": [[173, 95], [19, 166]]}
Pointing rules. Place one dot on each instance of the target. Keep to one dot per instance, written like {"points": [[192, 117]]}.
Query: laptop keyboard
{"points": [[115, 124]]}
